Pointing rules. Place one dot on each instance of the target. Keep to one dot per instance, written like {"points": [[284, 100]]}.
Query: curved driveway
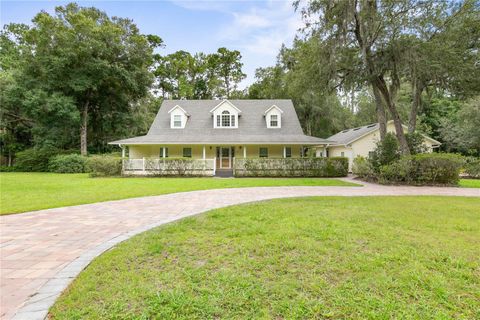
{"points": [[42, 251]]}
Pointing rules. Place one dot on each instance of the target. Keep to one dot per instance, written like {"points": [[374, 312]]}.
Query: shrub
{"points": [[386, 152], [104, 165], [423, 169], [34, 160], [68, 163], [362, 168], [8, 169], [416, 143], [472, 167], [292, 167]]}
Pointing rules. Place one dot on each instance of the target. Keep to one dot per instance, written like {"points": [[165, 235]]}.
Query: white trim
{"points": [[226, 101], [274, 106], [178, 107]]}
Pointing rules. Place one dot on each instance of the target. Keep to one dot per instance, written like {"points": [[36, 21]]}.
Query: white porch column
{"points": [[244, 152], [123, 151], [203, 153], [143, 165], [163, 152], [284, 151]]}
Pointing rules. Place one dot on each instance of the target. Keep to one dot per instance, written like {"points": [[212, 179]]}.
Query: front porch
{"points": [[202, 160]]}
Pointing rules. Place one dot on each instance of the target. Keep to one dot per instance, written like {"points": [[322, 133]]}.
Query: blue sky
{"points": [[255, 28]]}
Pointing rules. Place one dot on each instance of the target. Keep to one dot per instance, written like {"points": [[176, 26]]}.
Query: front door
{"points": [[225, 158]]}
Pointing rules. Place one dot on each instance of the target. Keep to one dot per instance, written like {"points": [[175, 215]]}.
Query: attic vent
{"points": [[345, 131], [372, 125], [357, 128]]}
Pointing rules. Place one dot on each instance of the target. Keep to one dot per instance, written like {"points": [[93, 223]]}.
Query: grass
{"points": [[470, 183], [305, 258], [21, 192]]}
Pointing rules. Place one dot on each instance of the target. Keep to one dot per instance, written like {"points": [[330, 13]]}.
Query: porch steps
{"points": [[224, 173]]}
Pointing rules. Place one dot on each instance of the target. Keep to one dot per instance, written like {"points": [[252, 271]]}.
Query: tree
{"points": [[228, 67], [81, 65], [367, 33]]}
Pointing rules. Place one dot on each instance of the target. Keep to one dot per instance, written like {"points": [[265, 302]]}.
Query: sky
{"points": [[256, 28]]}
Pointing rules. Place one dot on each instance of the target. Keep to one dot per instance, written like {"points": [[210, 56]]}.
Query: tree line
{"points": [[79, 78]]}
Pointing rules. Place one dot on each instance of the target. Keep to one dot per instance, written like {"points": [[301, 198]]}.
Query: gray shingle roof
{"points": [[347, 136], [251, 129]]}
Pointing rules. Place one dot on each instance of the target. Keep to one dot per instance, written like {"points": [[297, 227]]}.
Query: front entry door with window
{"points": [[224, 157]]}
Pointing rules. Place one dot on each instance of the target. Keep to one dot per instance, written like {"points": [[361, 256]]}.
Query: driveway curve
{"points": [[41, 252]]}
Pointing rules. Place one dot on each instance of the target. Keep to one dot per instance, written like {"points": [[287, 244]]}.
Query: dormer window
{"points": [[273, 117], [274, 120], [225, 115], [178, 117]]}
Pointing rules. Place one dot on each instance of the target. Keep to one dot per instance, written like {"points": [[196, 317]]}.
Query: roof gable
{"points": [[272, 107], [179, 108], [227, 102]]}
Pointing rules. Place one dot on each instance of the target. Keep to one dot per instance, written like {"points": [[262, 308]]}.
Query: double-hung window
{"points": [[273, 120], [177, 121], [163, 152], [187, 152], [288, 152], [263, 152]]}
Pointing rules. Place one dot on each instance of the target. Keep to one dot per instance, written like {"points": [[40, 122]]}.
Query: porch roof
{"points": [[222, 138]]}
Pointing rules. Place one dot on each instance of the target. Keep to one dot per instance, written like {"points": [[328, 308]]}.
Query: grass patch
{"points": [[469, 183], [21, 192], [306, 258]]}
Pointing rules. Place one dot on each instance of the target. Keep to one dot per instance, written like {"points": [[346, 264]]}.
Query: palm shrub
{"points": [[67, 163]]}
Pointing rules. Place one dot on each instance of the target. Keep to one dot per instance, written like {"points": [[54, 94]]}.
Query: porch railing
{"points": [[170, 166]]}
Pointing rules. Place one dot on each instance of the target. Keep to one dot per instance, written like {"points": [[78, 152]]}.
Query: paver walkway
{"points": [[42, 251]]}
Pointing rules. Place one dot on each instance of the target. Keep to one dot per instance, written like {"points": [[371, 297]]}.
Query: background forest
{"points": [[79, 78]]}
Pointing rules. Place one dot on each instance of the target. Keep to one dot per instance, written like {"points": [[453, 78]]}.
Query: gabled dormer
{"points": [[178, 117], [273, 117], [225, 115]]}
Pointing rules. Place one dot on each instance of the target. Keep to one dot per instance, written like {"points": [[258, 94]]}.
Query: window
{"points": [[263, 152], [161, 152], [225, 119], [371, 154], [187, 152], [233, 120], [177, 121], [274, 120], [218, 120], [342, 154], [288, 152]]}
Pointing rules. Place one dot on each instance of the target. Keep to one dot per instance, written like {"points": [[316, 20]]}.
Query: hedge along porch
{"points": [[207, 160]]}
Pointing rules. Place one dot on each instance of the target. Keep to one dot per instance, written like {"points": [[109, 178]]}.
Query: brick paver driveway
{"points": [[42, 251]]}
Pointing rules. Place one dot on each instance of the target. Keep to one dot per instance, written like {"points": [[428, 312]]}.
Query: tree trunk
{"points": [[417, 88], [83, 130], [380, 109], [9, 158], [388, 99]]}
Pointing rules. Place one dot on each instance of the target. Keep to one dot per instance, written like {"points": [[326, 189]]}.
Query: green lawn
{"points": [[470, 183], [308, 258], [22, 192]]}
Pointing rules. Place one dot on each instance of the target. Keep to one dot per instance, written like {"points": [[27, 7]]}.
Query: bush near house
{"points": [[68, 163], [423, 169], [364, 169], [472, 167], [292, 167], [104, 166]]}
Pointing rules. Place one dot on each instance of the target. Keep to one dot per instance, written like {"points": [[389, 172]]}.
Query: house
{"points": [[214, 133], [362, 141]]}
